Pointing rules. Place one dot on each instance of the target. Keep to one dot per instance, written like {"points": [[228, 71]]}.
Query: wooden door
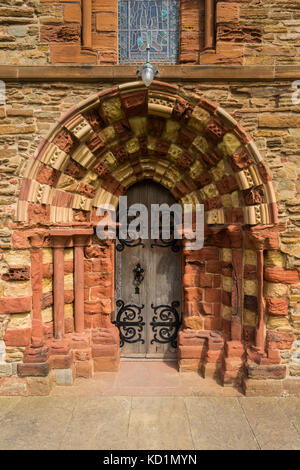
{"points": [[148, 314]]}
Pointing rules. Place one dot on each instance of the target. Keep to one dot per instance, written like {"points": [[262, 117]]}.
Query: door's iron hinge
{"points": [[165, 323], [129, 322]]}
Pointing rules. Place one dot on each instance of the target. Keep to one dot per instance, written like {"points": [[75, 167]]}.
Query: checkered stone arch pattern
{"points": [[128, 133]]}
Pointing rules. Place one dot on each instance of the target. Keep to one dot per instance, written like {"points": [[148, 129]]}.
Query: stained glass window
{"points": [[155, 21]]}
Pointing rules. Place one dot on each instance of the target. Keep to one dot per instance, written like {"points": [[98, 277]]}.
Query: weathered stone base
{"points": [[233, 364], [272, 387], [77, 355], [230, 363]]}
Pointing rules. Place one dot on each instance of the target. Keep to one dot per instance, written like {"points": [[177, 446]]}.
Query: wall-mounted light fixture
{"points": [[148, 72]]}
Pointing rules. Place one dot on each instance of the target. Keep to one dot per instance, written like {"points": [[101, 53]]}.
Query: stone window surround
{"points": [[209, 24]]}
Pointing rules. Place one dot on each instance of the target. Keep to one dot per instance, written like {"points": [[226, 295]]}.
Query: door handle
{"points": [[138, 277]]}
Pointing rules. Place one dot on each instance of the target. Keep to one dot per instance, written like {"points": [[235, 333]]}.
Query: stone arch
{"points": [[128, 133]]}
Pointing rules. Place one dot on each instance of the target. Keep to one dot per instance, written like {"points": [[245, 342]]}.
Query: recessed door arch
{"points": [[148, 286]]}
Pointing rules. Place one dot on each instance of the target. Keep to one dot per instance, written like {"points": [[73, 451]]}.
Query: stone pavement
{"points": [[148, 406]]}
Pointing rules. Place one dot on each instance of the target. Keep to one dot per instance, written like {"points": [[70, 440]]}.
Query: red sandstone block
{"points": [[206, 309], [262, 372], [20, 240], [13, 386], [188, 340], [213, 266], [277, 306], [217, 310], [217, 281], [227, 12], [214, 356], [226, 298], [33, 369], [69, 296], [193, 352], [193, 308], [103, 306], [104, 265], [84, 369], [17, 273], [15, 305], [39, 212], [253, 387], [106, 364], [48, 330], [105, 350], [82, 354], [47, 270], [61, 361], [39, 386], [212, 295], [211, 369], [286, 276], [250, 271], [20, 337], [187, 365], [193, 294], [190, 280], [101, 292], [72, 13], [234, 349], [209, 253], [205, 280], [68, 267], [233, 364], [212, 323], [96, 279], [92, 321], [66, 53], [69, 325], [279, 340]]}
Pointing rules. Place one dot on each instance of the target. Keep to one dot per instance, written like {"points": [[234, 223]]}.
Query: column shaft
{"points": [[79, 288], [58, 292]]}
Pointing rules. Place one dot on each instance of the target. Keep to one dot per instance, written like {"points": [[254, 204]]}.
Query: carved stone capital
{"points": [[37, 238], [235, 235]]}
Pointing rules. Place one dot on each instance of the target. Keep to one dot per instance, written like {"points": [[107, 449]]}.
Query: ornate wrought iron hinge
{"points": [[129, 242], [129, 322], [165, 323], [166, 243]]}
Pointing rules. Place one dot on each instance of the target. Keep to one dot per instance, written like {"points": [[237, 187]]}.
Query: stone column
{"points": [[58, 287], [36, 241], [209, 27], [260, 328], [258, 238], [62, 238], [87, 24], [236, 241], [37, 352], [79, 243]]}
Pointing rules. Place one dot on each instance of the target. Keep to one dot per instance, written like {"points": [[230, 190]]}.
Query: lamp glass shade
{"points": [[147, 75]]}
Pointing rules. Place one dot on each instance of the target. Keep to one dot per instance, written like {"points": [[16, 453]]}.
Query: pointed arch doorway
{"points": [[148, 286]]}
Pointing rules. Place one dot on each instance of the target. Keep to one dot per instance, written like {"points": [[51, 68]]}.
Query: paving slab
{"points": [[219, 423], [98, 423], [271, 425], [35, 423], [7, 404], [159, 423], [291, 408]]}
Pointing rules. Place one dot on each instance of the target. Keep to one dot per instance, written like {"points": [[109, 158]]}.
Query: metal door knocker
{"points": [[138, 277]]}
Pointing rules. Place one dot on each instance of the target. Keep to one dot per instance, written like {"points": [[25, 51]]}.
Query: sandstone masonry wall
{"points": [[247, 32]]}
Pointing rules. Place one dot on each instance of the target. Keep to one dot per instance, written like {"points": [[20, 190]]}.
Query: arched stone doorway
{"points": [[196, 150]]}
